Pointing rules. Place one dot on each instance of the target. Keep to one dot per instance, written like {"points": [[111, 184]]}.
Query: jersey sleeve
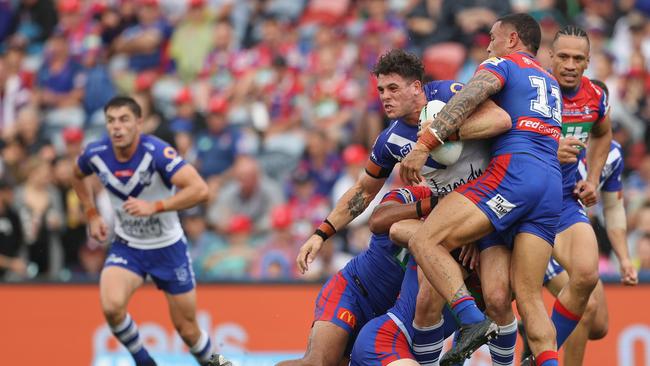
{"points": [[497, 66], [613, 183], [167, 160], [381, 161], [603, 104], [408, 194], [83, 162], [442, 90]]}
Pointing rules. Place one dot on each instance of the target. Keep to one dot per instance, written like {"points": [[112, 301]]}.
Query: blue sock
{"points": [[547, 358], [127, 333], [502, 348], [466, 311], [565, 322], [427, 343], [202, 349], [451, 324]]}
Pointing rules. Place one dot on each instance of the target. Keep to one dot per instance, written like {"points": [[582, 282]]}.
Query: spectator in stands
{"points": [[422, 23], [308, 207], [250, 193], [91, 258], [235, 260], [321, 161], [192, 41], [460, 19], [477, 53], [60, 86], [144, 43], [41, 212], [219, 139], [12, 246], [81, 31], [276, 258], [31, 135], [200, 239], [34, 22], [13, 96], [155, 122]]}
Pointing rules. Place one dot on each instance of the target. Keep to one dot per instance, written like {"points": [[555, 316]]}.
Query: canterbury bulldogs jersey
{"points": [[396, 141], [581, 110], [147, 176], [610, 177], [531, 96]]}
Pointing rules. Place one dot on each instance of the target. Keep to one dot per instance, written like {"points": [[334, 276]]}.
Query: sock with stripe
{"points": [[547, 358], [466, 311], [565, 322], [502, 347], [127, 333], [427, 343], [451, 324], [202, 349]]}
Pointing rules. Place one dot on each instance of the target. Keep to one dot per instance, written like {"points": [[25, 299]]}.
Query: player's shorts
{"points": [[380, 342], [340, 303], [494, 239], [553, 269], [572, 213], [169, 267], [518, 193]]}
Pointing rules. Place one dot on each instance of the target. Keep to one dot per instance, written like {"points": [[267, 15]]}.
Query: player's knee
{"points": [[114, 311], [598, 330], [188, 331], [498, 304], [584, 281]]}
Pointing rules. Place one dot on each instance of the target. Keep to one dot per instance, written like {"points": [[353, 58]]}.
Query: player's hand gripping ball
{"points": [[449, 152]]}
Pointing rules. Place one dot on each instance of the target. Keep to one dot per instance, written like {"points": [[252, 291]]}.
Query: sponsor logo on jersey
{"points": [[444, 189], [124, 173], [347, 317], [169, 152], [494, 61], [540, 127], [172, 164], [500, 206], [145, 177], [140, 227]]}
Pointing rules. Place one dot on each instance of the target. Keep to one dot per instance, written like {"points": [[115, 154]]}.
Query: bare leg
{"points": [[591, 323], [326, 346]]}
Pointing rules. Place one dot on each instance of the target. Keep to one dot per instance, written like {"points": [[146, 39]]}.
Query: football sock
{"points": [[547, 358], [502, 347], [127, 333], [466, 311], [451, 324], [427, 343], [202, 349], [565, 322]]}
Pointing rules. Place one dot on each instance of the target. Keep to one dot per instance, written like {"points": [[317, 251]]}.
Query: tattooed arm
{"points": [[451, 117], [351, 205]]}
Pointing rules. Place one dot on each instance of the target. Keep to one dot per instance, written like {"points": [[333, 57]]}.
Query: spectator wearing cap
{"points": [[308, 208], [60, 86], [34, 22], [276, 258], [250, 193], [144, 42], [192, 41], [235, 260], [73, 138], [80, 30], [219, 139]]}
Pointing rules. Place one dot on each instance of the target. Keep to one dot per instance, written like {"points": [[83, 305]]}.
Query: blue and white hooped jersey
{"points": [[396, 141], [147, 176], [610, 177]]}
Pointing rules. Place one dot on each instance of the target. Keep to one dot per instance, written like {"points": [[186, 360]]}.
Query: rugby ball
{"points": [[449, 152]]}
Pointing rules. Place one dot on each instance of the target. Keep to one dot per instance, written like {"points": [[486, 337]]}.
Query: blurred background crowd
{"points": [[274, 103]]}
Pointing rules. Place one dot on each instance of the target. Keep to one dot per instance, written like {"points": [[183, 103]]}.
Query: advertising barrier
{"points": [[253, 324]]}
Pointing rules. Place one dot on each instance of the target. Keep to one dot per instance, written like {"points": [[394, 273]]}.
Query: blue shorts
{"points": [[518, 193], [380, 342], [340, 303], [572, 213], [169, 267], [494, 239], [553, 269]]}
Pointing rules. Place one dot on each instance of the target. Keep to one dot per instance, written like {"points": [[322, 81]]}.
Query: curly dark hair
{"points": [[400, 62], [526, 27]]}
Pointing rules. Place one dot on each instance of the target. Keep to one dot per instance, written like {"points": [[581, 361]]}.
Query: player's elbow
{"points": [[378, 223], [202, 192]]}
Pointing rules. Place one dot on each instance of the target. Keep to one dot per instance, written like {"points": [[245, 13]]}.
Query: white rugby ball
{"points": [[449, 152]]}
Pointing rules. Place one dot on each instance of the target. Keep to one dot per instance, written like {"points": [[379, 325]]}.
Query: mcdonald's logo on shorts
{"points": [[347, 316]]}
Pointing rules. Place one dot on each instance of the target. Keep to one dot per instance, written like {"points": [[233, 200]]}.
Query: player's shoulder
{"points": [[590, 88], [157, 147], [96, 147], [442, 89], [615, 146]]}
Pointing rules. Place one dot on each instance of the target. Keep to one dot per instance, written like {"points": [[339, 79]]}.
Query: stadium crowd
{"points": [[273, 102]]}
